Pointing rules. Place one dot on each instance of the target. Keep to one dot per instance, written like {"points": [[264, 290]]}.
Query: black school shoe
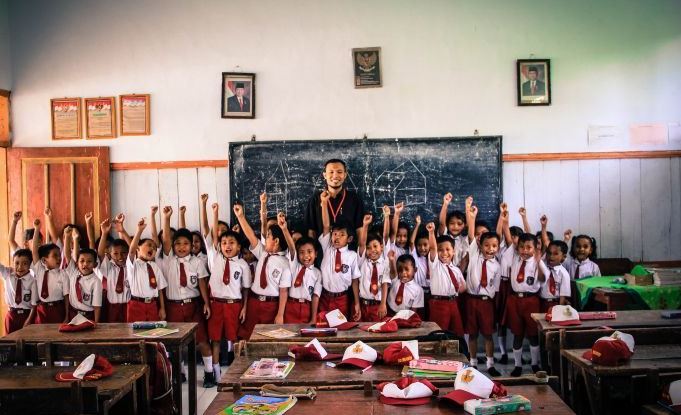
{"points": [[517, 371], [504, 359], [493, 372], [209, 380], [535, 368]]}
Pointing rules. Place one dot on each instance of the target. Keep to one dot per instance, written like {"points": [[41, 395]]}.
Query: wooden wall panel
{"points": [[675, 229], [552, 190], [514, 195], [141, 187], [589, 200], [609, 213], [60, 194], [656, 208], [569, 196], [119, 200], [188, 195], [222, 185], [630, 211], [87, 197], [533, 190], [34, 201], [167, 193]]}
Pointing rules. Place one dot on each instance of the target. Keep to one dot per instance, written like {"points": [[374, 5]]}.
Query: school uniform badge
{"points": [[237, 274], [194, 279], [27, 297], [345, 268], [530, 280], [86, 297], [276, 273]]}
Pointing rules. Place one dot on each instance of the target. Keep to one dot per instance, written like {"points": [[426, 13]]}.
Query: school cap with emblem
{"points": [[471, 384], [78, 323], [381, 327], [312, 351], [407, 318], [611, 350], [401, 353], [93, 367], [671, 396], [334, 318], [563, 315], [406, 391], [360, 355]]}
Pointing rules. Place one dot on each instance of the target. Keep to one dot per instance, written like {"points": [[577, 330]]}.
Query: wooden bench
{"points": [[12, 353]]}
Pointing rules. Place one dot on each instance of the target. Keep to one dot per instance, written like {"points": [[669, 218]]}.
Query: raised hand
{"points": [[281, 220], [154, 210], [391, 255], [238, 211], [204, 198], [543, 221], [503, 207], [522, 211], [167, 211], [399, 207], [368, 218], [473, 211], [447, 198], [215, 207], [418, 219], [263, 197], [386, 210], [469, 202], [141, 225], [567, 235], [430, 227], [105, 226], [17, 216], [48, 212], [36, 223], [88, 217], [183, 209], [324, 197]]}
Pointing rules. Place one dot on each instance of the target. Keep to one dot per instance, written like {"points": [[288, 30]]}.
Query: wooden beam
{"points": [[592, 156], [158, 165]]}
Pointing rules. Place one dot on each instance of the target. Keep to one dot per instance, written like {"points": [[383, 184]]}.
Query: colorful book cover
{"points": [[277, 334], [281, 369], [436, 365], [157, 332], [259, 405]]}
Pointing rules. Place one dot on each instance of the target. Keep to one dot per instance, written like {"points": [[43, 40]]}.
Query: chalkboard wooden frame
{"points": [[430, 210]]}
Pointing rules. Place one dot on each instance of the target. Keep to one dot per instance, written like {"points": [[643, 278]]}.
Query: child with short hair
{"points": [[85, 287], [306, 286], [482, 283], [52, 285], [405, 293], [446, 283], [21, 292], [453, 225], [230, 281], [272, 279], [145, 278], [374, 269], [340, 268], [114, 281]]}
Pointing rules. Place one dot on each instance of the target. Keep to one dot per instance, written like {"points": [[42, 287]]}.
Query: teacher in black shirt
{"points": [[343, 203]]}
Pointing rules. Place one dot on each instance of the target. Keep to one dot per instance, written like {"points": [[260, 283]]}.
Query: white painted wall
{"points": [[5, 63], [449, 68]]}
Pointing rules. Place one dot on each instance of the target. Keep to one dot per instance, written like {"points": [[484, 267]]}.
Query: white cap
{"points": [[360, 355], [85, 366], [318, 346], [78, 320], [564, 315], [413, 346], [403, 315]]}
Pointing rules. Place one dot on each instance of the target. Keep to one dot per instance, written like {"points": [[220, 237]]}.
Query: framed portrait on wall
{"points": [[66, 121], [135, 114], [238, 95], [534, 82], [100, 117]]}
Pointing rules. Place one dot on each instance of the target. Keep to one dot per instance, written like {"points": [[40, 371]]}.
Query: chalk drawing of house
{"points": [[405, 183], [276, 187]]}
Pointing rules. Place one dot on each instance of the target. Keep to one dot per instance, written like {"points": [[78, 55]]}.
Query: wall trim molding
{"points": [[159, 165]]}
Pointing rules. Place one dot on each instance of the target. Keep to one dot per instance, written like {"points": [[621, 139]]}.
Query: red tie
{"points": [[427, 268], [299, 278], [119, 280], [483, 274], [18, 294], [263, 272], [103, 282], [453, 278], [552, 282], [374, 279], [521, 273], [79, 289], [226, 273], [339, 265], [400, 294], [183, 275], [152, 276], [44, 291]]}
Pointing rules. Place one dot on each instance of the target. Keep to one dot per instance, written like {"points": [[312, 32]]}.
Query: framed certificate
{"points": [[135, 118], [100, 117], [66, 121], [367, 67]]}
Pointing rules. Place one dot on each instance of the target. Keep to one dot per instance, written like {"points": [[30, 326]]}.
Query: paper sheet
{"points": [[648, 134], [603, 134]]}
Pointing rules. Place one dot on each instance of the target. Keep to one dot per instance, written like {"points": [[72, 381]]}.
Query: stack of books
{"points": [[268, 369], [259, 405], [432, 369], [664, 277]]}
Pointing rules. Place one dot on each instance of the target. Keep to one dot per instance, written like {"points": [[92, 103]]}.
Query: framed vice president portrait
{"points": [[534, 82], [238, 95]]}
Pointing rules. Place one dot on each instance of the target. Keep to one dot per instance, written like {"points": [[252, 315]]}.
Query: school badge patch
{"points": [[194, 279], [27, 297], [345, 268], [237, 274], [86, 297]]}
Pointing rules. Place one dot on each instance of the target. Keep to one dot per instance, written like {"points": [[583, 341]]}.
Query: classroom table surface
{"points": [[663, 357], [625, 318], [543, 399], [343, 336], [104, 332], [312, 373]]}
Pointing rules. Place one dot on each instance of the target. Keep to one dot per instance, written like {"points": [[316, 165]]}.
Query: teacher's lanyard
{"points": [[340, 207]]}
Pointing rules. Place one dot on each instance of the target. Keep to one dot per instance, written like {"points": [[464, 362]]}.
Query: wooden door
{"points": [[70, 180]]}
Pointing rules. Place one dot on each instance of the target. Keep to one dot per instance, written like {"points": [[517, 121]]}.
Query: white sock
{"points": [[534, 351], [184, 370], [502, 344], [474, 361], [216, 370], [490, 361], [466, 336], [230, 346], [208, 364], [518, 356]]}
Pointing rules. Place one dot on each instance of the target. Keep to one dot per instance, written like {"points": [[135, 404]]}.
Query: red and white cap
{"points": [[78, 323], [312, 351], [671, 396], [381, 327], [563, 315], [471, 384], [360, 355], [406, 391], [400, 353], [407, 318], [93, 367], [611, 350], [334, 318]]}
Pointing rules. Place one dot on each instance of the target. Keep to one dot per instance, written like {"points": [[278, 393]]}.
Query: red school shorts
{"points": [[116, 312], [188, 313], [446, 314], [369, 312], [15, 319], [141, 311], [297, 312], [90, 315], [50, 313], [224, 320], [479, 316], [258, 312], [328, 303], [518, 315]]}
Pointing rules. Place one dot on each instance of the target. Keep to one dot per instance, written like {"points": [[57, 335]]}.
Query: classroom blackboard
{"points": [[417, 171]]}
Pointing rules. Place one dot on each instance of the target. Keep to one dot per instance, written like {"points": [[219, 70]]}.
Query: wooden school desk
{"points": [[594, 381], [34, 389], [342, 336], [544, 401], [34, 334], [549, 338]]}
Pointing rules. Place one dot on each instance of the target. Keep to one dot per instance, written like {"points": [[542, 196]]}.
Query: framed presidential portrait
{"points": [[534, 82], [367, 67], [238, 95]]}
